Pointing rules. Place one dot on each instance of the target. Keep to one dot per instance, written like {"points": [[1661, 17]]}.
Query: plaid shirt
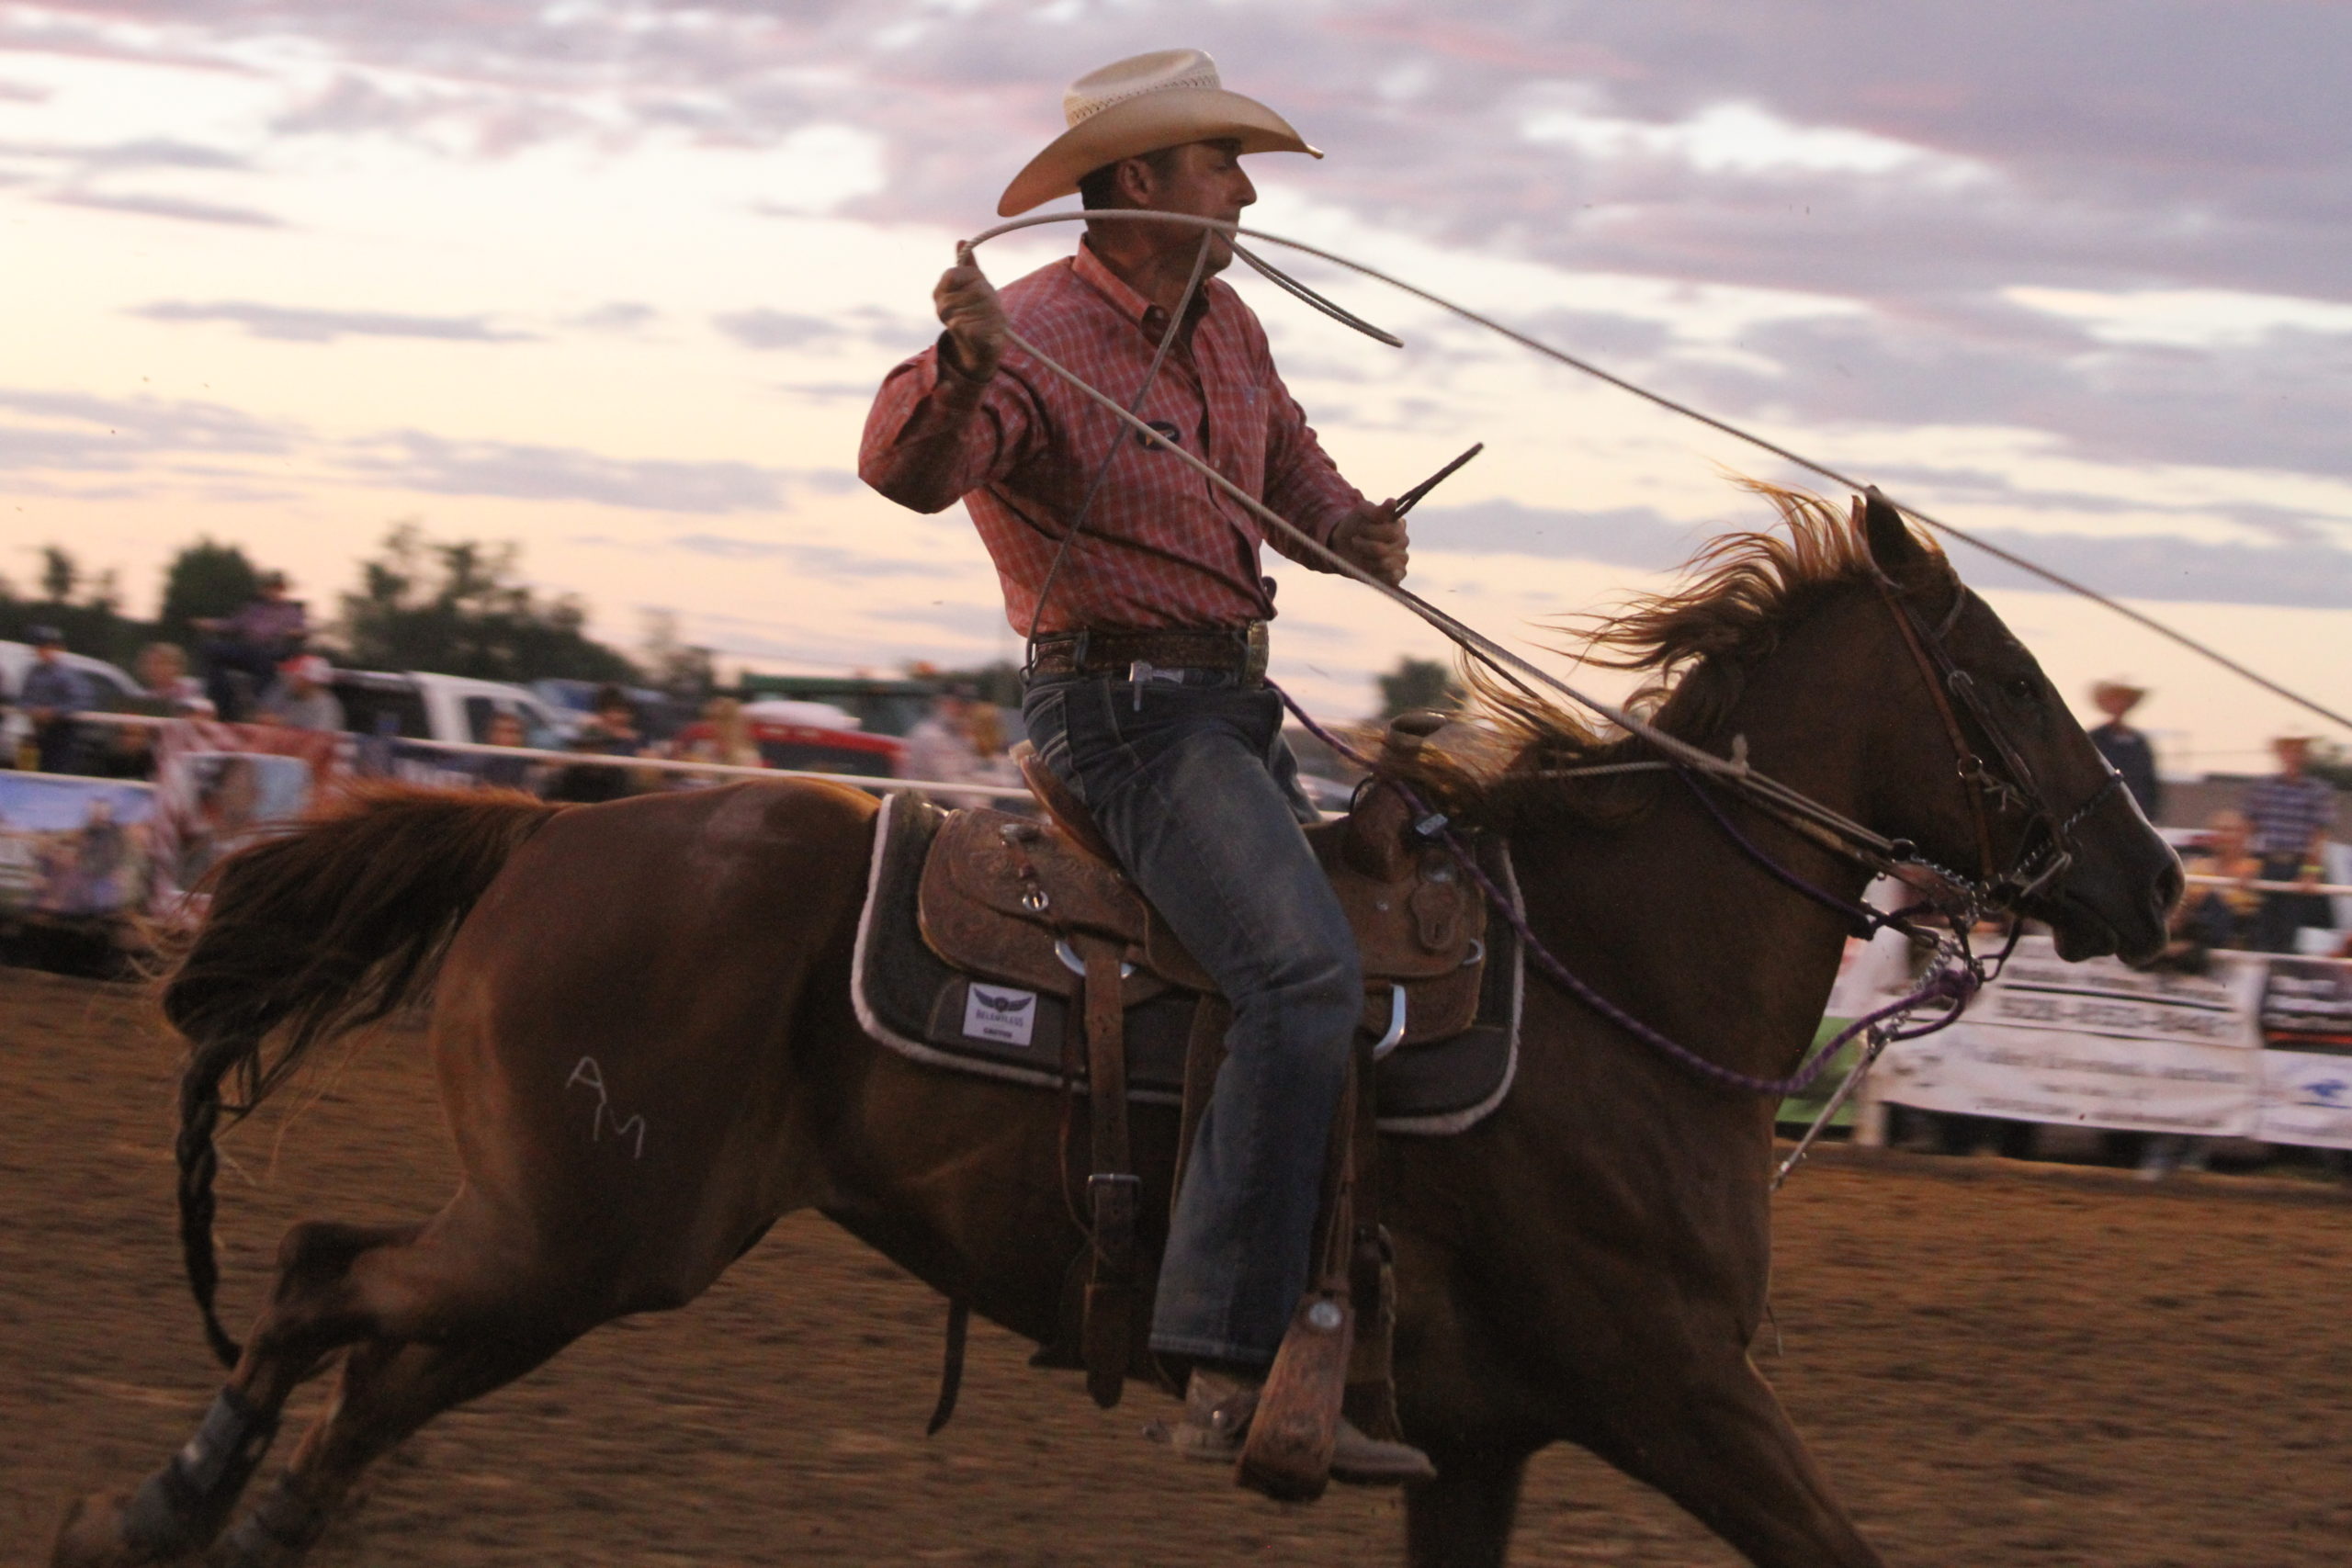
{"points": [[1162, 548], [2287, 814]]}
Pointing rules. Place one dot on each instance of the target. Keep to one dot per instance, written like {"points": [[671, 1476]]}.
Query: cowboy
{"points": [[2126, 750], [1146, 683]]}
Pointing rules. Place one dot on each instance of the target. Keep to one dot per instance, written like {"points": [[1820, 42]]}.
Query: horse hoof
{"points": [[92, 1536]]}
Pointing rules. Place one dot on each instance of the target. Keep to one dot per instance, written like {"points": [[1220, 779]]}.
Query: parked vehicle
{"points": [[110, 687], [816, 736], [415, 705], [659, 716]]}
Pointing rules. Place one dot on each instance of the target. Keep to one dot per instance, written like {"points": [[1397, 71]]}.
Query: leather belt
{"points": [[1239, 650]]}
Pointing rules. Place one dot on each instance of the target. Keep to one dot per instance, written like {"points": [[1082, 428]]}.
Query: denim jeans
{"points": [[1196, 790]]}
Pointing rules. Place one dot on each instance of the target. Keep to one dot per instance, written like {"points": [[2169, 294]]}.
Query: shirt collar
{"points": [[1151, 318]]}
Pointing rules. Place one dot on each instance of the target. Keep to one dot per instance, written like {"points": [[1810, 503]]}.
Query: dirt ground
{"points": [[1997, 1364]]}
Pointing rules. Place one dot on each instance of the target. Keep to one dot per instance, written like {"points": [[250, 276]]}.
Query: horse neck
{"points": [[1677, 921]]}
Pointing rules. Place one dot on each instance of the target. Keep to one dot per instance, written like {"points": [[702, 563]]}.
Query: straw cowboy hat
{"points": [[1137, 106], [2129, 693]]}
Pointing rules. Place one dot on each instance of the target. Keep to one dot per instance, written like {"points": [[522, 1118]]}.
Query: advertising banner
{"points": [[216, 786], [72, 849], [2098, 1044], [2307, 1071]]}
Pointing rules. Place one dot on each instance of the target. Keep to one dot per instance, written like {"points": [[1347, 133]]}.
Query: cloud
{"points": [[620, 316], [73, 431], [414, 460], [2129, 565], [182, 208], [827, 562], [778, 329], [285, 323], [760, 328], [147, 153]]}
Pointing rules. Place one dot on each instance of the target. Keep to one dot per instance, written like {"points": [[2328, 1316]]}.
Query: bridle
{"points": [[2045, 847]]}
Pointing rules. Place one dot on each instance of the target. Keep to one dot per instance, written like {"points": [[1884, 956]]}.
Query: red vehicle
{"points": [[816, 739]]}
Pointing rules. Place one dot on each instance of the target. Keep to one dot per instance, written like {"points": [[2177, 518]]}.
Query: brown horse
{"points": [[647, 1050]]}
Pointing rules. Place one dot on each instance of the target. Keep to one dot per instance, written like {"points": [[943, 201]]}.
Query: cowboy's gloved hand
{"points": [[975, 320], [1373, 538]]}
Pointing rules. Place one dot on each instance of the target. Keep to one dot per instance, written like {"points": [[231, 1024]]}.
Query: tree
{"points": [[205, 581], [1419, 684], [457, 609], [91, 619], [59, 574], [672, 664], [998, 682]]}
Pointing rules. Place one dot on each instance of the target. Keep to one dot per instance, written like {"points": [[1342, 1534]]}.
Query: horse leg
{"points": [[1463, 1519], [177, 1510], [465, 1279], [386, 1391], [1724, 1448]]}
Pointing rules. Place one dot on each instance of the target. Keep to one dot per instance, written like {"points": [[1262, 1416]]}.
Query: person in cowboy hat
{"points": [[1141, 592], [2126, 750]]}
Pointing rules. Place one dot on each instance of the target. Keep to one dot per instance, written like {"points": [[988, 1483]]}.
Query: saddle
{"points": [[1020, 902], [1014, 947]]}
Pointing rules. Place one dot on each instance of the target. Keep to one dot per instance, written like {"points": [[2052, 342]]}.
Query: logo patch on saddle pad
{"points": [[1000, 1013]]}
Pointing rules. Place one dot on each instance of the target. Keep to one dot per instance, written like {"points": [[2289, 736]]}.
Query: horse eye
{"points": [[2021, 688]]}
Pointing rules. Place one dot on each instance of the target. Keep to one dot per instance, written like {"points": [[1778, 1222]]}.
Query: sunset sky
{"points": [[615, 281]]}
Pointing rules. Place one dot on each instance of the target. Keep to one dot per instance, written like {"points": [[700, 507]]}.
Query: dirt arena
{"points": [[1997, 1365]]}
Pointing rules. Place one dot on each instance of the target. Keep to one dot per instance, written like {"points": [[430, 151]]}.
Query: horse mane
{"points": [[1738, 596]]}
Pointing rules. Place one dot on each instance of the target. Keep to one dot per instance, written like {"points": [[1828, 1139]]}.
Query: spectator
{"points": [[2291, 813], [301, 699], [611, 731], [168, 690], [729, 741], [2126, 750], [55, 693], [2225, 916], [504, 772], [268, 630], [940, 751]]}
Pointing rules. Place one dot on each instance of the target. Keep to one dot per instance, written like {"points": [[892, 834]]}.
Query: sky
{"points": [[615, 281]]}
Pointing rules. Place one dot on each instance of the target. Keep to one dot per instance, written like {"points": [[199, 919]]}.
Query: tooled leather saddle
{"points": [[1014, 947], [971, 955]]}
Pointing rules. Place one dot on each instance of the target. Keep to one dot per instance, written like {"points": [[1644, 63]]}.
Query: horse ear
{"points": [[1898, 555]]}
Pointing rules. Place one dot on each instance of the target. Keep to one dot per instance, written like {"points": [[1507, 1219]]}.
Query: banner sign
{"points": [[2307, 1071], [2098, 1044], [218, 786], [72, 849]]}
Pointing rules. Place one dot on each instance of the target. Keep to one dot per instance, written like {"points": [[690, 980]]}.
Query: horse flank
{"points": [[311, 934]]}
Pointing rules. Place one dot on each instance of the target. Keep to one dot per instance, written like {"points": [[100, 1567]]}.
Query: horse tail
{"points": [[311, 934]]}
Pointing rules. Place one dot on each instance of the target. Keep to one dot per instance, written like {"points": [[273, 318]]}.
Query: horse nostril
{"points": [[2170, 885]]}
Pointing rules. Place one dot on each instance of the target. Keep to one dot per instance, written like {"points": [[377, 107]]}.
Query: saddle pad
{"points": [[914, 1002]]}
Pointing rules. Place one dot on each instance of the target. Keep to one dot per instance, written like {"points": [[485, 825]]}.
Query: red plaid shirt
{"points": [[1162, 546]]}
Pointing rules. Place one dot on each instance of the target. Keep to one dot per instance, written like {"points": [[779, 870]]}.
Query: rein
{"points": [[1951, 980]]}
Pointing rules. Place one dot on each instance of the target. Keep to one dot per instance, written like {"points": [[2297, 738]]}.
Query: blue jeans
{"points": [[1196, 790]]}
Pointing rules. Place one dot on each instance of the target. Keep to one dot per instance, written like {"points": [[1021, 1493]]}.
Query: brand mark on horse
{"points": [[631, 1130]]}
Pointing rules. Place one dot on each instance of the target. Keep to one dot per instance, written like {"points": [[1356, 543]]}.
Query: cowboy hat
{"points": [[2124, 691], [1136, 105]]}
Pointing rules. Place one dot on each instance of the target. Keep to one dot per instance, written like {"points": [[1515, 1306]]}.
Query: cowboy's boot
{"points": [[1218, 1410]]}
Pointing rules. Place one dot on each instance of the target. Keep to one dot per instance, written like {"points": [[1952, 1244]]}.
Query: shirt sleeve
{"points": [[934, 434], [1302, 482]]}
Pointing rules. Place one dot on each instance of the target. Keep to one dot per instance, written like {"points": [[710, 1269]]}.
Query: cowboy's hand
{"points": [[975, 320], [1373, 538]]}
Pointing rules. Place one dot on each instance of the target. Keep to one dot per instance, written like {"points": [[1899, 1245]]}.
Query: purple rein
{"points": [[1949, 984]]}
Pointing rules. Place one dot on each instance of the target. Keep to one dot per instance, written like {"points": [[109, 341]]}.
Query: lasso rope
{"points": [[1950, 982], [1660, 400], [1735, 770]]}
